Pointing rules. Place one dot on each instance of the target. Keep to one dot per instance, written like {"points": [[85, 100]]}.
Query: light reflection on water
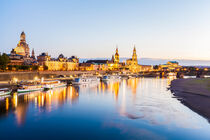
{"points": [[138, 108]]}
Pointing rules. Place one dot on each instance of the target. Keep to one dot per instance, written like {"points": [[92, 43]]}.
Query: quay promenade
{"points": [[29, 75]]}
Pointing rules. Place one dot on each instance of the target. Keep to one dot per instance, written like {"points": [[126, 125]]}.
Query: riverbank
{"points": [[194, 93], [29, 75]]}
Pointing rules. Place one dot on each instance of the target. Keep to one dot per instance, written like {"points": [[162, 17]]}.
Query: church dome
{"points": [[20, 50]]}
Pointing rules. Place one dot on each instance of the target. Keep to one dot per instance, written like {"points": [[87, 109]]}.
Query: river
{"points": [[139, 108]]}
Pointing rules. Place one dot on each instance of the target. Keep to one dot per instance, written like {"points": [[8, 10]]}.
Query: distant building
{"points": [[114, 63], [42, 58], [99, 64], [60, 64], [86, 67], [170, 65], [133, 60], [144, 68], [20, 55], [133, 66]]}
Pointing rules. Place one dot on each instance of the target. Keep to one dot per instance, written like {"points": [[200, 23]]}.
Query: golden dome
{"points": [[20, 50]]}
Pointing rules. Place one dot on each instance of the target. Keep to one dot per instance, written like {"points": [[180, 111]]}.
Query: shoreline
{"points": [[194, 93]]}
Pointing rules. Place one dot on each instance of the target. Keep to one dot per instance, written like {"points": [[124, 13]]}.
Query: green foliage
{"points": [[10, 67], [35, 67], [4, 60], [156, 67], [192, 68], [24, 67]]}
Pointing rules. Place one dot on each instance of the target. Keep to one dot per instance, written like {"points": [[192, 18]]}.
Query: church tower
{"points": [[23, 37], [134, 56], [33, 54], [116, 56], [112, 58]]}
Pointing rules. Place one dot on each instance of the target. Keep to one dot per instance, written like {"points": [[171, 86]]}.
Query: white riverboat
{"points": [[30, 88], [110, 77], [53, 84], [85, 80], [5, 91]]}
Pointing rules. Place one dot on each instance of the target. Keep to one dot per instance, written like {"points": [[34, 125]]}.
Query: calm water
{"points": [[128, 109]]}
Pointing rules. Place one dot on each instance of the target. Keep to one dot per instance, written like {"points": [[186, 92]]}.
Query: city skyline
{"points": [[166, 30]]}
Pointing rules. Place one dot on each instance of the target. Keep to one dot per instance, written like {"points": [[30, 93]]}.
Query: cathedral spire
{"points": [[134, 49], [116, 58], [116, 48], [134, 56], [33, 54], [22, 36], [112, 58]]}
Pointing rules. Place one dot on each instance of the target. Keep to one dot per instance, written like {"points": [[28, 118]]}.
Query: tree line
{"points": [[4, 61], [4, 64]]}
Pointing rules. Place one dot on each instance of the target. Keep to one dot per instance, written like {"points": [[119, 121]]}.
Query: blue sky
{"points": [[175, 29]]}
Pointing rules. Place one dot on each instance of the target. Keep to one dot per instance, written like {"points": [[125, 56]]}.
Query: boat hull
{"points": [[54, 86], [5, 93], [84, 81], [28, 90]]}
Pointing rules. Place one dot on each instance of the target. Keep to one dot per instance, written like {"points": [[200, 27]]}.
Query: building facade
{"points": [[114, 63], [170, 66], [133, 66], [60, 64]]}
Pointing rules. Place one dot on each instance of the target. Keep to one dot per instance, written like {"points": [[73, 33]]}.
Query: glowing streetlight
{"points": [[42, 79], [35, 78], [15, 80]]}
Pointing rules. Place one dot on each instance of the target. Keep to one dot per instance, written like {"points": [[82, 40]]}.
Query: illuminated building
{"points": [[86, 66], [20, 55], [133, 66], [115, 64], [116, 57], [98, 64], [22, 47], [60, 64], [170, 65], [133, 60]]}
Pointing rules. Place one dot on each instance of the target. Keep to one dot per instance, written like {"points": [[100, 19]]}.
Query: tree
{"points": [[35, 67], [45, 67], [4, 60], [156, 67]]}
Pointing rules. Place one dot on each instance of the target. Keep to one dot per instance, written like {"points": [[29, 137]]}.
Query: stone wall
{"points": [[7, 76]]}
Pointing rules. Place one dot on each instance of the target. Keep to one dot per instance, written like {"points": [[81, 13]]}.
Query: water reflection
{"points": [[156, 106], [18, 103], [145, 101]]}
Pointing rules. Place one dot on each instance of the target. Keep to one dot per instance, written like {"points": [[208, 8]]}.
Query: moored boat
{"points": [[85, 80], [5, 91], [53, 84], [29, 88], [110, 77]]}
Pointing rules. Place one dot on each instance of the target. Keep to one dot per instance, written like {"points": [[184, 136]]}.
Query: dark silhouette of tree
{"points": [[4, 60], [45, 67], [156, 67]]}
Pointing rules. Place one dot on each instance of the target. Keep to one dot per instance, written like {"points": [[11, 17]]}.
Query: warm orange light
{"points": [[7, 103]]}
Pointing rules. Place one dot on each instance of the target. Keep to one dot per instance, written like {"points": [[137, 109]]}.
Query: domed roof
{"points": [[61, 56], [22, 33], [20, 50]]}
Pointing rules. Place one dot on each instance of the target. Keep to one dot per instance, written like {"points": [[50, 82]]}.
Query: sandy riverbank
{"points": [[194, 93]]}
